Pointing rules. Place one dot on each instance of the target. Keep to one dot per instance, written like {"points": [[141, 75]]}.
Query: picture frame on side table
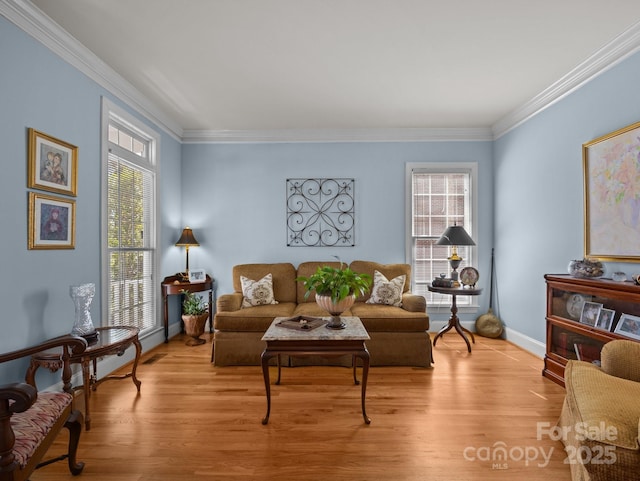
{"points": [[197, 276], [629, 326], [52, 222], [605, 319], [53, 164], [590, 313], [611, 182]]}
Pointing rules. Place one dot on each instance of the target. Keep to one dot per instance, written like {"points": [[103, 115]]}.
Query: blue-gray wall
{"points": [[234, 199], [539, 213], [39, 90], [233, 196]]}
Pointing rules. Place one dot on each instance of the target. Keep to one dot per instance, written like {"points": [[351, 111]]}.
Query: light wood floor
{"points": [[194, 421]]}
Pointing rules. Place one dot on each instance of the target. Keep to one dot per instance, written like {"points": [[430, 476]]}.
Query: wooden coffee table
{"points": [[320, 341]]}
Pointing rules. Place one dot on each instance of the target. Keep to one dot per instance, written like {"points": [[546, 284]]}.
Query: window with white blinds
{"points": [[130, 227], [438, 199]]}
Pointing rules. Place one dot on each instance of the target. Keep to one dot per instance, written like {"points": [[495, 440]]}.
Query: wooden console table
{"points": [[454, 322], [113, 340], [175, 285]]}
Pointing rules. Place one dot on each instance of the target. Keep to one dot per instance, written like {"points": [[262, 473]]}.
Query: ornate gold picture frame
{"points": [[53, 164], [612, 195], [52, 222]]}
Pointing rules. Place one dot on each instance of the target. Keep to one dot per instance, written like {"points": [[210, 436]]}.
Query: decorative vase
{"points": [[335, 309], [194, 327], [82, 296]]}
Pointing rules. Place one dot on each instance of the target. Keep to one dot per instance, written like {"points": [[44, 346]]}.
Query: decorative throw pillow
{"points": [[257, 293], [386, 291]]}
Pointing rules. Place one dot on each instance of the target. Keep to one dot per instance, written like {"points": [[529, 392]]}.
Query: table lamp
{"points": [[455, 236], [187, 240]]}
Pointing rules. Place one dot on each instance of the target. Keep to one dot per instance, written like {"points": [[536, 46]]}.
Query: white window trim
{"points": [[111, 110], [435, 168]]}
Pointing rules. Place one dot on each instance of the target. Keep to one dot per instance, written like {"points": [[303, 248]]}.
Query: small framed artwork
{"points": [[605, 319], [629, 326], [197, 276], [590, 313], [53, 164], [51, 222]]}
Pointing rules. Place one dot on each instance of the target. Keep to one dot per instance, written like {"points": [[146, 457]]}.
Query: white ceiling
{"points": [[259, 65]]}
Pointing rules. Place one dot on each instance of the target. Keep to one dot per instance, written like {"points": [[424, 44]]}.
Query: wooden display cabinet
{"points": [[568, 337]]}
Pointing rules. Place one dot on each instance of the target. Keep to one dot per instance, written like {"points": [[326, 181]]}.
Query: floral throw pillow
{"points": [[257, 293], [387, 291]]}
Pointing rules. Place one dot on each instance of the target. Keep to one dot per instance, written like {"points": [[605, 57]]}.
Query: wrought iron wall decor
{"points": [[320, 212]]}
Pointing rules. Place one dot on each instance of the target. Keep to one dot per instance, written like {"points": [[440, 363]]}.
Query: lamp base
{"points": [[454, 261]]}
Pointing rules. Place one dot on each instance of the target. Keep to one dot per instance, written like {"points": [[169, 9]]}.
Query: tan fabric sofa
{"points": [[399, 335], [601, 414]]}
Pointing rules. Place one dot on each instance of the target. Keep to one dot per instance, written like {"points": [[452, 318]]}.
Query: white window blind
{"points": [[130, 228], [438, 200]]}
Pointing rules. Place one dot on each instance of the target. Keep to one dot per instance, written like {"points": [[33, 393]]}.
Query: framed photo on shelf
{"points": [[610, 186], [197, 276], [629, 326], [590, 313], [51, 222], [605, 319], [53, 164]]}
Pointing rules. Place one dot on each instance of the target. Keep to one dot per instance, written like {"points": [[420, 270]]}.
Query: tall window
{"points": [[440, 195], [129, 213]]}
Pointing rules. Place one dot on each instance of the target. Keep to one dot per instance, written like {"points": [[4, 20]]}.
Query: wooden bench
{"points": [[31, 420]]}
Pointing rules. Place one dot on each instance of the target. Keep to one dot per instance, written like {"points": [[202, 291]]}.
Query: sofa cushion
{"points": [[388, 270], [600, 400], [257, 293], [385, 291], [30, 427], [378, 317], [314, 310], [253, 319], [284, 278]]}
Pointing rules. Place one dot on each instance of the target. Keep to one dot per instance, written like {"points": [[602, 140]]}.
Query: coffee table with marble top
{"points": [[322, 341]]}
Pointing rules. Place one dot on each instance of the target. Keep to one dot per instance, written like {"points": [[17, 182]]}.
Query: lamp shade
{"points": [[455, 235], [187, 239]]}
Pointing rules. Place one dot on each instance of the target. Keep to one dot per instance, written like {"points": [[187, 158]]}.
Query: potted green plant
{"points": [[336, 289], [195, 312]]}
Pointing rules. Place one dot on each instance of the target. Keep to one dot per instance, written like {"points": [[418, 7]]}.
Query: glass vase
{"points": [[82, 296]]}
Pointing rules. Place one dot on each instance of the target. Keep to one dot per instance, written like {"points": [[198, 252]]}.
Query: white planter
{"points": [[335, 308]]}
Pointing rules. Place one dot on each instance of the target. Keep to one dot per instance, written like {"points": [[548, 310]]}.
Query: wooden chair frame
{"points": [[18, 397]]}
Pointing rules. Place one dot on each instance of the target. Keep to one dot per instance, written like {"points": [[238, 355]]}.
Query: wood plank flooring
{"points": [[193, 421]]}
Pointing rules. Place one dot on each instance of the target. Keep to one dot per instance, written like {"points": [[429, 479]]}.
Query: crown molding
{"points": [[623, 46], [35, 23], [337, 135]]}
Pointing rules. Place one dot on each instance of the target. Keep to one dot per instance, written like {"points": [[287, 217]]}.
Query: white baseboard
{"points": [[527, 343]]}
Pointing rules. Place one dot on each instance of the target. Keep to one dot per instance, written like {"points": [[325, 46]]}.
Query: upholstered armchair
{"points": [[601, 415]]}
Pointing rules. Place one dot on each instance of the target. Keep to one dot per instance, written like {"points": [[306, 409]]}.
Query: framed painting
{"points": [[53, 164], [51, 222], [612, 195]]}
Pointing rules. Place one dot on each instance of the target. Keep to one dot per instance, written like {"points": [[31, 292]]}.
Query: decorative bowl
{"points": [[586, 268]]}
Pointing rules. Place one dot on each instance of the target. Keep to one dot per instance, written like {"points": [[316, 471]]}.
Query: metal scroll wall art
{"points": [[320, 213]]}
